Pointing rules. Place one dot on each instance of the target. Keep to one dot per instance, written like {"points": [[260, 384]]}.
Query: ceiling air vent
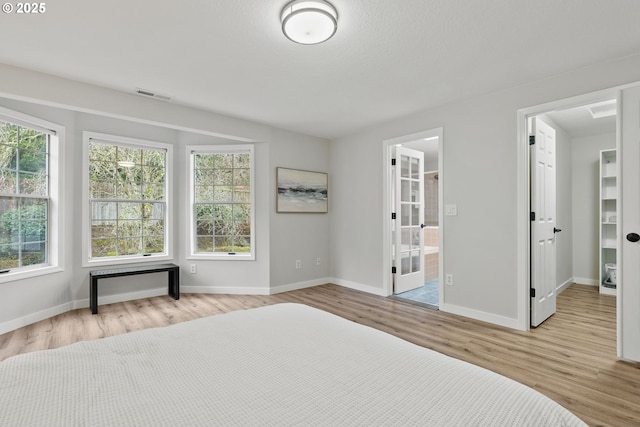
{"points": [[152, 94]]}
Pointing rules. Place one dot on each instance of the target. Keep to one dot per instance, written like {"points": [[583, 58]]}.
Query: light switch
{"points": [[451, 210]]}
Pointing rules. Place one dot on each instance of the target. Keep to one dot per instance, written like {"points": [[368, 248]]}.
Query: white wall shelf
{"points": [[608, 219]]}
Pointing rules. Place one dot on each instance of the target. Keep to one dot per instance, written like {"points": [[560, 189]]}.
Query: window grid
{"points": [[24, 196], [127, 200], [222, 203]]}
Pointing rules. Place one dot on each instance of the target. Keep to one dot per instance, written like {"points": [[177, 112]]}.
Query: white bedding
{"points": [[281, 365]]}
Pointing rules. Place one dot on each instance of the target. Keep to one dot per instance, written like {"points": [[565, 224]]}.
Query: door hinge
{"points": [[393, 215], [532, 216], [393, 162], [532, 292], [393, 270], [532, 139]]}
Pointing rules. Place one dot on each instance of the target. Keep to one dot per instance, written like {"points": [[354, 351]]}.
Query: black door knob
{"points": [[633, 237], [556, 230]]}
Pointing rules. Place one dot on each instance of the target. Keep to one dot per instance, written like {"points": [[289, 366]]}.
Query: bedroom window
{"points": [[127, 184], [28, 184], [222, 199]]}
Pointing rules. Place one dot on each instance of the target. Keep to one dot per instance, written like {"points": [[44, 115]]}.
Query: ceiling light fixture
{"points": [[309, 21]]}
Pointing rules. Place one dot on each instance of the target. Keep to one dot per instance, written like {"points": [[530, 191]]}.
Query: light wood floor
{"points": [[570, 358]]}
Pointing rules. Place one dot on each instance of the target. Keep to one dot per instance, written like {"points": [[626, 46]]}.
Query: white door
{"points": [[408, 225], [543, 221], [629, 227]]}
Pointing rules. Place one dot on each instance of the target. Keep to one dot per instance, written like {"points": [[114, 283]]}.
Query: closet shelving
{"points": [[608, 220]]}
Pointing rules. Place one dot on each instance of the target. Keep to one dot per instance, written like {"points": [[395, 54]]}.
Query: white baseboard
{"points": [[359, 287], [584, 281], [245, 290], [480, 315], [300, 285], [565, 285], [20, 322]]}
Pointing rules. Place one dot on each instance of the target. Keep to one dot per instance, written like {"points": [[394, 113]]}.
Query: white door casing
{"points": [[408, 226], [543, 223], [628, 298]]}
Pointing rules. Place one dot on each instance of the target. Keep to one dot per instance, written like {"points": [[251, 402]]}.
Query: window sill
{"points": [[127, 260], [221, 257], [12, 276]]}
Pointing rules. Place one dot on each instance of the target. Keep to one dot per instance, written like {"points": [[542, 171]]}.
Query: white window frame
{"points": [[219, 149], [55, 220], [87, 260]]}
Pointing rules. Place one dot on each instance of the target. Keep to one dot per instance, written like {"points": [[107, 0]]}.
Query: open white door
{"points": [[408, 225], [629, 227], [543, 221]]}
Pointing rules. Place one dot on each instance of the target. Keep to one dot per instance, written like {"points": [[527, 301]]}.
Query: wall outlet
{"points": [[318, 261], [448, 279], [193, 268], [298, 264]]}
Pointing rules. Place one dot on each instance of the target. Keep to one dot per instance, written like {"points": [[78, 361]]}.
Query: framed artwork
{"points": [[301, 191]]}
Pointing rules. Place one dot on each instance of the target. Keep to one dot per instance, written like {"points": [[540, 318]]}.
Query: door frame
{"points": [[523, 192], [387, 199]]}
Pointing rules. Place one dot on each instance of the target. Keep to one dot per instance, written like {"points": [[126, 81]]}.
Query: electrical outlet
{"points": [[193, 268], [298, 264], [448, 279], [318, 261]]}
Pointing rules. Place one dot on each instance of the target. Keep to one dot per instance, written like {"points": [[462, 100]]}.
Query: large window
{"points": [[222, 202], [29, 214], [128, 211], [24, 196]]}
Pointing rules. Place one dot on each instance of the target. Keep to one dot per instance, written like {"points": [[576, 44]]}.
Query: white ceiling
{"points": [[578, 122], [387, 59]]}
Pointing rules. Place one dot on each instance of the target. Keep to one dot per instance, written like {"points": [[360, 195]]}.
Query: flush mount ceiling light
{"points": [[309, 21]]}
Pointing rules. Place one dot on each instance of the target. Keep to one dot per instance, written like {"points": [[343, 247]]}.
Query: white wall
{"points": [[480, 160], [586, 188], [81, 107]]}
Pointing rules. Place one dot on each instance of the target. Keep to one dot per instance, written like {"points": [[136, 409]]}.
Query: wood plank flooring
{"points": [[571, 357]]}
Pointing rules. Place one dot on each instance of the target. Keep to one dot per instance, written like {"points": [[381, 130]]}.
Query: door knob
{"points": [[633, 237], [556, 230], [422, 226]]}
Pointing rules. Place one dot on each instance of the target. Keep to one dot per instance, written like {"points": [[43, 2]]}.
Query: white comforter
{"points": [[282, 365]]}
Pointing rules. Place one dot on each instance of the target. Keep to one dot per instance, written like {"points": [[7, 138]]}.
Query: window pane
{"points": [[154, 158], [204, 193], [222, 194], [102, 152], [224, 224], [9, 256], [130, 228], [223, 177], [103, 229], [32, 161], [125, 176], [153, 228], [33, 183], [152, 175], [153, 245], [8, 133], [7, 181], [204, 244], [127, 155], [8, 156], [23, 231], [103, 247], [129, 246]]}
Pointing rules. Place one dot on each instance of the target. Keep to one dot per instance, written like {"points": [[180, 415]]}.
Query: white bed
{"points": [[281, 365]]}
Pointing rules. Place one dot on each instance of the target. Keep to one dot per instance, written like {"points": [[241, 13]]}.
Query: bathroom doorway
{"points": [[429, 292]]}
